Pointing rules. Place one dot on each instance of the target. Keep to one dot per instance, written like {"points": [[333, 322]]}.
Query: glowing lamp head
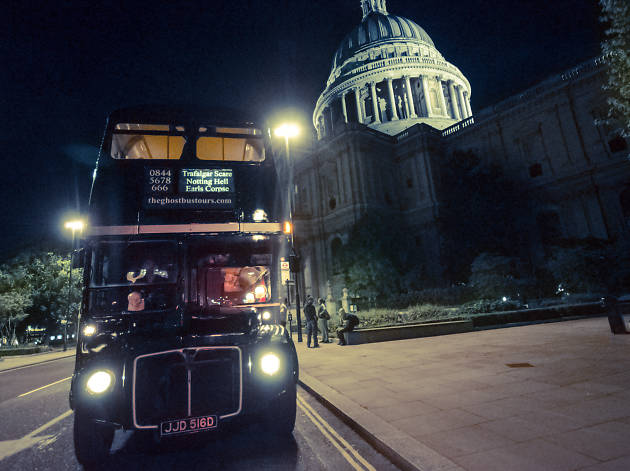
{"points": [[99, 382], [74, 225], [287, 227], [270, 364], [249, 297], [266, 315], [89, 330], [287, 130]]}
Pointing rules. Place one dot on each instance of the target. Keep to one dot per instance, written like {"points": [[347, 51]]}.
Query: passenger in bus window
{"points": [[231, 283], [135, 301], [149, 273]]}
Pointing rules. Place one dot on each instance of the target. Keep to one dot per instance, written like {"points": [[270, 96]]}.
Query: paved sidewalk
{"points": [[17, 361], [455, 403]]}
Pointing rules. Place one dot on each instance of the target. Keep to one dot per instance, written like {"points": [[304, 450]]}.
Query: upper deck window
{"points": [[163, 141], [232, 144], [147, 141]]}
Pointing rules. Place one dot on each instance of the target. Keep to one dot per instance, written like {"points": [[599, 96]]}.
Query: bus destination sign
{"points": [[188, 188], [206, 180]]}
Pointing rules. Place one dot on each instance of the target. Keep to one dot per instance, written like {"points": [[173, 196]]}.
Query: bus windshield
{"points": [[133, 263], [132, 277], [236, 275]]}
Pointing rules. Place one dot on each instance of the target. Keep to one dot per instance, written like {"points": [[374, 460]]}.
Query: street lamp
{"points": [[289, 130], [74, 226]]}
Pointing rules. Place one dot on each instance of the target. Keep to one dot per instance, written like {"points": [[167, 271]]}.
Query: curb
{"points": [[401, 449], [35, 363]]}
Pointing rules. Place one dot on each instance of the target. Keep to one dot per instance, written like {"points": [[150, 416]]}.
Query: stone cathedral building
{"points": [[392, 109]]}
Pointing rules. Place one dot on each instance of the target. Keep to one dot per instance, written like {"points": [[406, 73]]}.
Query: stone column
{"points": [[343, 107], [377, 118], [357, 99], [451, 92], [330, 117], [441, 95], [467, 103], [460, 93], [425, 92], [345, 300], [330, 301], [392, 101], [412, 108]]}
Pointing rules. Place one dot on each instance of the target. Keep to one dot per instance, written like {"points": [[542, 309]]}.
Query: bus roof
{"points": [[185, 113]]}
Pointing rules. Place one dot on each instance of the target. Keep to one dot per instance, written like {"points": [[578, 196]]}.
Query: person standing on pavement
{"points": [[311, 322], [324, 317], [350, 322], [284, 313]]}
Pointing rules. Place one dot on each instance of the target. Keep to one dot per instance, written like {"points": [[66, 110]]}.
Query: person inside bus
{"points": [[149, 273], [135, 301]]}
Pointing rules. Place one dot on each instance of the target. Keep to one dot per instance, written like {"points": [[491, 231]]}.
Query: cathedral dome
{"points": [[388, 74], [377, 27]]}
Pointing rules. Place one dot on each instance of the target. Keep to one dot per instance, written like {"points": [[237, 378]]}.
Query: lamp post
{"points": [[289, 130], [76, 225]]}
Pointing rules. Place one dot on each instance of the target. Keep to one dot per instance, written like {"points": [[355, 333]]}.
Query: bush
{"points": [[495, 276], [450, 296], [415, 314], [486, 305], [13, 351]]}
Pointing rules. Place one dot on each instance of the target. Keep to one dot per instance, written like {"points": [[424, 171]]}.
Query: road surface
{"points": [[36, 434]]}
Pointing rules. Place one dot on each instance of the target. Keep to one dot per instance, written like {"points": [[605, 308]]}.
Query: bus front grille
{"points": [[187, 382]]}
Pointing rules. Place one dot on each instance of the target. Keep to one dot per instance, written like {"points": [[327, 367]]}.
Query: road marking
{"points": [[50, 423], [11, 447], [44, 387], [337, 440]]}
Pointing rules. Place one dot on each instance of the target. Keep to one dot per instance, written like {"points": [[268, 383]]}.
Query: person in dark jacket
{"points": [[311, 322], [350, 321]]}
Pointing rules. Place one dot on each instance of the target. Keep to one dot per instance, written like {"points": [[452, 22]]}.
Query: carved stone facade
{"points": [[385, 158]]}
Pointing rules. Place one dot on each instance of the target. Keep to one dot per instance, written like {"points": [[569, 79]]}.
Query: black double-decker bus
{"points": [[179, 330]]}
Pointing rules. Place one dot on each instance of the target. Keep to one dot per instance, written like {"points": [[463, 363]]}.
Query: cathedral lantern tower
{"points": [[388, 75]]}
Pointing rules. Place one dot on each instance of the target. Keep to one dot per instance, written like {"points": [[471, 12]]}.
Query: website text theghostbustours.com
{"points": [[184, 200]]}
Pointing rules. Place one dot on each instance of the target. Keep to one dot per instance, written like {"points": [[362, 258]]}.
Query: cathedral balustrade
{"points": [[442, 66], [458, 126]]}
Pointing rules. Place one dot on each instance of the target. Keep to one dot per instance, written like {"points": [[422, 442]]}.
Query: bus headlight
{"points": [[270, 364], [99, 382], [89, 330]]}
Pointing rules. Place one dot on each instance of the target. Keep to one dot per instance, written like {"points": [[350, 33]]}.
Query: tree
{"points": [[378, 258], [616, 49], [48, 274], [581, 265], [15, 298], [495, 276], [481, 210], [34, 290]]}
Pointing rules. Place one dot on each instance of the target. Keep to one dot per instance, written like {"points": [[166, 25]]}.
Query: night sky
{"points": [[66, 65]]}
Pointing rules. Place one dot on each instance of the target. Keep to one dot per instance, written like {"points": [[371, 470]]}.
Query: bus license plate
{"points": [[188, 425]]}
